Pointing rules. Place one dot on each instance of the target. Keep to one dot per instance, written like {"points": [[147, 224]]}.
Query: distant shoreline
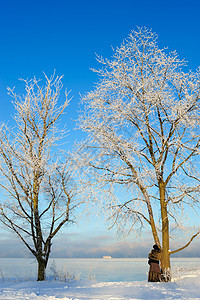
{"points": [[112, 258]]}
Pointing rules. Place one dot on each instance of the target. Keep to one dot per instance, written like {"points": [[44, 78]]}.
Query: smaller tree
{"points": [[41, 193]]}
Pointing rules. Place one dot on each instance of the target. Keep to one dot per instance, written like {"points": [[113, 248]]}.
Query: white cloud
{"points": [[78, 245]]}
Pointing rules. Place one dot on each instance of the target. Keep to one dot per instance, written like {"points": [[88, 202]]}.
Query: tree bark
{"points": [[42, 263], [165, 261]]}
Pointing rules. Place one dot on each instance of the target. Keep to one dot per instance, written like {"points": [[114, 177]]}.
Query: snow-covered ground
{"points": [[185, 286]]}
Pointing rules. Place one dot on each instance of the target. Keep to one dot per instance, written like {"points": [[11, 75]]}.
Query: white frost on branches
{"points": [[37, 176], [143, 123]]}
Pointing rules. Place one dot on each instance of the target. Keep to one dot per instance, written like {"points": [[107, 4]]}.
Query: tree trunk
{"points": [[165, 261], [42, 263]]}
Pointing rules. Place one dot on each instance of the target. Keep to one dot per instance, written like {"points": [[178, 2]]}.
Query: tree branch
{"points": [[192, 238]]}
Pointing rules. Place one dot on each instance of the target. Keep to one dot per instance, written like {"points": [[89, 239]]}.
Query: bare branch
{"points": [[185, 246]]}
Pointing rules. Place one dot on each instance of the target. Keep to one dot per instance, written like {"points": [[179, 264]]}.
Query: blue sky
{"points": [[39, 36]]}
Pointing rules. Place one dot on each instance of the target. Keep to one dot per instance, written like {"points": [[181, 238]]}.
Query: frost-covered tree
{"points": [[40, 193], [143, 121]]}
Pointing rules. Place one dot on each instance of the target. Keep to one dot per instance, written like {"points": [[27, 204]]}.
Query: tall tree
{"points": [[143, 124], [40, 190]]}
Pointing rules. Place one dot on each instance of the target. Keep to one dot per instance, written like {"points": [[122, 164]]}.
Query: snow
{"points": [[185, 286]]}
